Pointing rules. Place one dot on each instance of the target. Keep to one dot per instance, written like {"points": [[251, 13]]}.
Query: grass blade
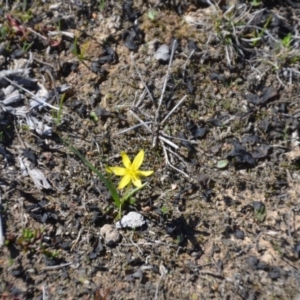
{"points": [[113, 191]]}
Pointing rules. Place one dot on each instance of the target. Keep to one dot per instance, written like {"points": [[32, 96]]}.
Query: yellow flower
{"points": [[131, 172]]}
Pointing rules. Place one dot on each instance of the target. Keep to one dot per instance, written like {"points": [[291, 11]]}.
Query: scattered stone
{"points": [[239, 234], [131, 220], [111, 235], [162, 53], [258, 205], [275, 273], [241, 156], [262, 266], [252, 262], [132, 38], [136, 275], [268, 93], [192, 45]]}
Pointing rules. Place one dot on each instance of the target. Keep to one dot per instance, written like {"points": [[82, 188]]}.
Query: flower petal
{"points": [[124, 181], [126, 160], [144, 173], [116, 170], [108, 170], [136, 182], [138, 160]]}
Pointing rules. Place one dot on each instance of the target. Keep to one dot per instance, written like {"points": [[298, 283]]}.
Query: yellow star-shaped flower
{"points": [[131, 172]]}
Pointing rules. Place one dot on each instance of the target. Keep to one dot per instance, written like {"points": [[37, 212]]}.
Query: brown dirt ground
{"points": [[205, 237]]}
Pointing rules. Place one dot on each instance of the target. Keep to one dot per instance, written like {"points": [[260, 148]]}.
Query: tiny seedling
{"points": [[23, 16], [78, 51], [59, 112], [26, 46], [102, 5], [25, 127], [255, 3], [4, 32], [152, 14], [164, 210], [28, 238], [286, 41], [75, 48], [50, 254], [94, 116], [262, 32], [260, 213]]}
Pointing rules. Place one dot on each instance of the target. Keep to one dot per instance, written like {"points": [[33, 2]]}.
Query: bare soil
{"points": [[222, 207]]}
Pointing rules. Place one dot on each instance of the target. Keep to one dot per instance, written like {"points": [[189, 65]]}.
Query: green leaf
{"points": [[152, 14], [222, 164], [131, 192], [255, 3], [286, 41], [164, 210], [94, 117]]}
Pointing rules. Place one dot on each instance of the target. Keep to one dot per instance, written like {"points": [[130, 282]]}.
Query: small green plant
{"points": [[260, 213], [94, 116], [152, 14], [227, 104], [262, 32], [10, 261], [102, 5], [276, 247], [78, 51], [295, 59], [50, 254], [75, 48], [285, 133], [26, 46], [25, 127], [285, 53], [30, 241], [164, 210], [58, 113], [256, 3], [130, 174], [4, 32], [28, 238], [23, 16], [286, 41]]}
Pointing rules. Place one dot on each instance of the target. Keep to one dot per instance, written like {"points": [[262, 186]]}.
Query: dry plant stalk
{"points": [[155, 125]]}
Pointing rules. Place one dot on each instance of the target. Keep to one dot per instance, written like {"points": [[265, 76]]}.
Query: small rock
{"points": [[275, 273], [262, 266], [131, 220], [252, 262], [138, 275], [192, 45], [111, 235], [17, 272], [258, 205], [162, 53], [239, 234]]}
